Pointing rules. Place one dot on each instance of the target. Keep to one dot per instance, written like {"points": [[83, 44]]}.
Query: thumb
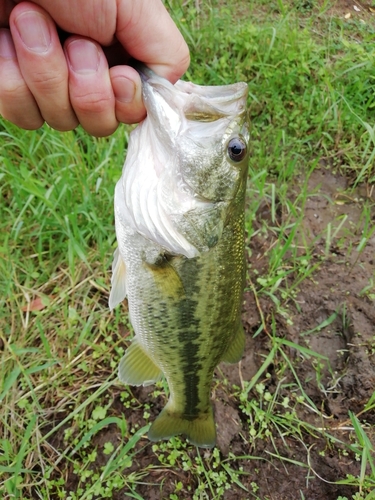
{"points": [[147, 32]]}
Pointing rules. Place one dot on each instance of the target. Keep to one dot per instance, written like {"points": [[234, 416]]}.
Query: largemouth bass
{"points": [[179, 214]]}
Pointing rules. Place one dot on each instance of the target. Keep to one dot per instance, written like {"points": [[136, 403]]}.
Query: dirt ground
{"points": [[348, 342]]}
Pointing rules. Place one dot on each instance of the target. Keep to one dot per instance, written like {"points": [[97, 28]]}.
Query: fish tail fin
{"points": [[200, 431]]}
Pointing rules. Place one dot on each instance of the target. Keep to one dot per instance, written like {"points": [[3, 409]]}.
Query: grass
{"points": [[68, 428]]}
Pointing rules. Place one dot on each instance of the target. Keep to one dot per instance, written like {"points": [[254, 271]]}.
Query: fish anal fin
{"points": [[137, 368], [236, 347], [118, 281], [200, 431]]}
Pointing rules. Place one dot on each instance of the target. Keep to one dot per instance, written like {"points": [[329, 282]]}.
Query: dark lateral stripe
{"points": [[190, 340]]}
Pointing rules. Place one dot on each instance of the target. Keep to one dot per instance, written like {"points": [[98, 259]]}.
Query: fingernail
{"points": [[123, 88], [34, 31], [7, 50], [83, 56]]}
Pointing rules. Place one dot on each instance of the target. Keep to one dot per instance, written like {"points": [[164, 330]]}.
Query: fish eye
{"points": [[237, 149]]}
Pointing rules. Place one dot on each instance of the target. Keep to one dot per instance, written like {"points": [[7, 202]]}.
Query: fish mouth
{"points": [[192, 102]]}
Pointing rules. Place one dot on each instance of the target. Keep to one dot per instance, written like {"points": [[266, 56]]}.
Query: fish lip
{"points": [[218, 98]]}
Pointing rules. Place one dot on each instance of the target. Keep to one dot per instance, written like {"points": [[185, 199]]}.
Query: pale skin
{"points": [[84, 80]]}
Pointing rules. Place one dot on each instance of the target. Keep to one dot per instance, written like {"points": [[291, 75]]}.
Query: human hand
{"points": [[85, 80]]}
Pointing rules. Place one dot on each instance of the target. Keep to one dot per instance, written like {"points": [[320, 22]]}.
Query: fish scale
{"points": [[182, 265]]}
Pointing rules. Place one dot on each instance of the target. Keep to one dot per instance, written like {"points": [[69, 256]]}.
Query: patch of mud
{"points": [[351, 9], [341, 290]]}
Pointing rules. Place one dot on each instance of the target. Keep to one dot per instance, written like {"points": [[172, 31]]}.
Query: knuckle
{"points": [[93, 103], [47, 82], [11, 89]]}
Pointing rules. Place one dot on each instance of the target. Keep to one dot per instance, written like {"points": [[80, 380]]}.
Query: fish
{"points": [[180, 261]]}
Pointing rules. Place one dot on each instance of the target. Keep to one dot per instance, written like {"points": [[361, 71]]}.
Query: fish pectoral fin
{"points": [[167, 279], [118, 282], [200, 431], [137, 368], [236, 347]]}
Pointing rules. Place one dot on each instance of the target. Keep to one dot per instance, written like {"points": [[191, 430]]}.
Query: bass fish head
{"points": [[205, 130], [186, 164]]}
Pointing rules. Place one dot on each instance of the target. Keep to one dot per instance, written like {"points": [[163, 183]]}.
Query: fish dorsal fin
{"points": [[137, 368], [236, 347], [118, 289]]}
